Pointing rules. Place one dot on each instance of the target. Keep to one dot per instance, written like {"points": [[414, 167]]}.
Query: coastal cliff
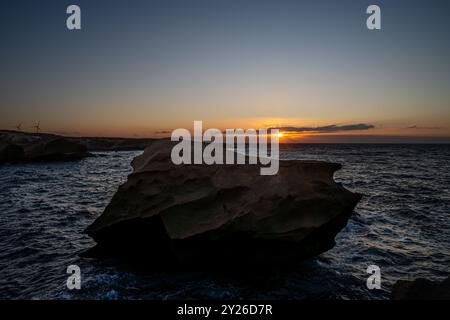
{"points": [[221, 215], [57, 149], [17, 146]]}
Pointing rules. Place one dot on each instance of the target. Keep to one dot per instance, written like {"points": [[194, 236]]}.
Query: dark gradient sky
{"points": [[138, 67]]}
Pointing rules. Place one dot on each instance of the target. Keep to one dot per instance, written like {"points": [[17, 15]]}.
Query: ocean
{"points": [[402, 225]]}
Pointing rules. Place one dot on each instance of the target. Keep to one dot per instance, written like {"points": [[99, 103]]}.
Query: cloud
{"points": [[422, 128], [328, 129]]}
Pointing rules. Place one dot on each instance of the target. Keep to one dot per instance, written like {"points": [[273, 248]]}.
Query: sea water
{"points": [[402, 225]]}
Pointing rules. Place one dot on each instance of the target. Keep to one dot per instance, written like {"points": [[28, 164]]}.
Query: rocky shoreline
{"points": [[421, 289]]}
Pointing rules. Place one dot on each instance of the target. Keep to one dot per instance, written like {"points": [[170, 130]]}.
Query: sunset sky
{"points": [[311, 68]]}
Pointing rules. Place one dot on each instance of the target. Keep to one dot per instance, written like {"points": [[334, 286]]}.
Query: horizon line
{"points": [[382, 139]]}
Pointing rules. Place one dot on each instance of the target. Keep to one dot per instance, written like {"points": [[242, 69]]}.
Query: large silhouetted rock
{"points": [[222, 215], [421, 289]]}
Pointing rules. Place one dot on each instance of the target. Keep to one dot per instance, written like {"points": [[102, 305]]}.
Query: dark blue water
{"points": [[402, 225]]}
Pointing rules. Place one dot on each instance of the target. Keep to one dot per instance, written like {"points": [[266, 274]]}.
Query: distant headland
{"points": [[19, 146]]}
